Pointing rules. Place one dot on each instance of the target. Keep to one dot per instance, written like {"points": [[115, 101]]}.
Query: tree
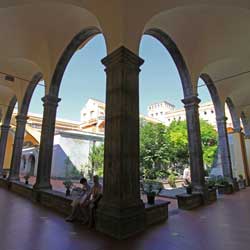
{"points": [[153, 150], [96, 158], [177, 139], [209, 142]]}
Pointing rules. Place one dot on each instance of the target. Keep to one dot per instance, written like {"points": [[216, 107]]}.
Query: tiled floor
{"points": [[222, 225]]}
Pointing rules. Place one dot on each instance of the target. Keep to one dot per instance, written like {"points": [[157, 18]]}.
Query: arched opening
{"points": [[79, 121], [236, 143], [32, 162], [6, 139], [218, 155], [167, 118], [24, 133]]}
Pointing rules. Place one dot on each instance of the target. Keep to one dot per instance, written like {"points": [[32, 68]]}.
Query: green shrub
{"points": [[172, 180]]}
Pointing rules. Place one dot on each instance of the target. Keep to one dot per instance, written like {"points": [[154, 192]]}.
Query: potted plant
{"points": [[26, 178], [151, 191], [211, 188], [241, 182], [189, 187], [68, 185], [224, 187], [211, 183], [4, 174]]}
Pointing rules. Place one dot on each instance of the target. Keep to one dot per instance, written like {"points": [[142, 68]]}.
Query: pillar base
{"points": [[13, 178], [42, 186], [120, 223]]}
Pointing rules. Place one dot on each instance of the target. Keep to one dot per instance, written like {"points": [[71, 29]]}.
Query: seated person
{"points": [[186, 176], [84, 209], [76, 204]]}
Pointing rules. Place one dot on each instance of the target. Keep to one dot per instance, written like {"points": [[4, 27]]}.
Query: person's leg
{"points": [[91, 214], [74, 211]]}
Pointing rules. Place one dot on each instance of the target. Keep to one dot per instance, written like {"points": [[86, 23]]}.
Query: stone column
{"points": [[244, 157], [21, 121], [121, 212], [194, 142], [46, 142], [224, 148], [3, 143]]}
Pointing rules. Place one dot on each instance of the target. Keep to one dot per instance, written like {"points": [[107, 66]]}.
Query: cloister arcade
{"points": [[208, 40]]}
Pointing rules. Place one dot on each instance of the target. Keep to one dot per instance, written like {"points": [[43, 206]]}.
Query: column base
{"points": [[120, 223], [39, 186], [13, 178]]}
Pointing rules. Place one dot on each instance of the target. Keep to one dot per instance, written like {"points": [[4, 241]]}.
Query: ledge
{"points": [[189, 201], [156, 213], [60, 203]]}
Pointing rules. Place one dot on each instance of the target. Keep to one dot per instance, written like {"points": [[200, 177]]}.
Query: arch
{"points": [[219, 109], [23, 163], [29, 92], [81, 38], [32, 162], [234, 116], [245, 123], [175, 53], [9, 112], [223, 146]]}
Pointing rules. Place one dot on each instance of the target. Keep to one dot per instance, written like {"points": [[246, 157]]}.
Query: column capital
{"points": [[237, 130], [51, 100], [191, 100], [5, 127], [124, 56], [21, 118], [221, 119]]}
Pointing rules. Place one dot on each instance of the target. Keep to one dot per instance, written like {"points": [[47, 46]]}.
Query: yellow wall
{"points": [[9, 146], [8, 152], [28, 137]]}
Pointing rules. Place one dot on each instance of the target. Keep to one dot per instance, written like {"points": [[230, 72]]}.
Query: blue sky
{"points": [[85, 78]]}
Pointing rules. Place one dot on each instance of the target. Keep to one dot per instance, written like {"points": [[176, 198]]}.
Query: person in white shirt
{"points": [[186, 176]]}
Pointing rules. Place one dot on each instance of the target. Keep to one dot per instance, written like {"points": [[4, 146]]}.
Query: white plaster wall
{"points": [[236, 154], [76, 147], [247, 145]]}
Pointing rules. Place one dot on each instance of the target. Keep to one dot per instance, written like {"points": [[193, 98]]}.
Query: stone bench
{"points": [[189, 201], [156, 213], [59, 202]]}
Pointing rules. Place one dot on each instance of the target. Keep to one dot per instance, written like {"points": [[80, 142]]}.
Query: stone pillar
{"points": [[247, 150], [194, 142], [17, 147], [121, 212], [3, 143], [46, 142], [224, 148]]}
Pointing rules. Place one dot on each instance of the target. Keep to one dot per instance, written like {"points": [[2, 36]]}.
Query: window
{"points": [[212, 111], [205, 112], [161, 113]]}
